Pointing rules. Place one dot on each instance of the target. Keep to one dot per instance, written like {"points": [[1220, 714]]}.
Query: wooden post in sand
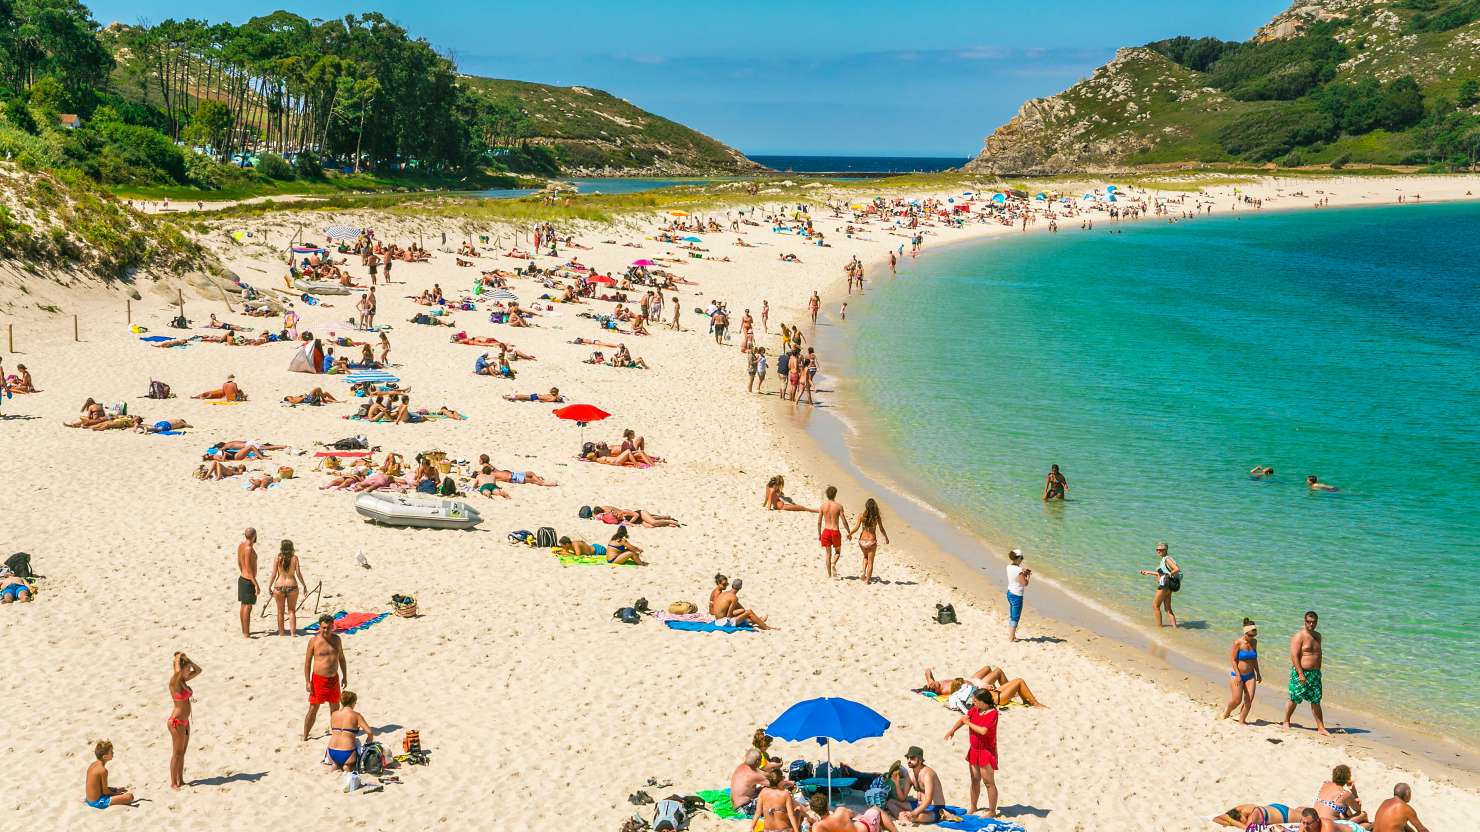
{"points": [[75, 336], [180, 299], [10, 337], [128, 309]]}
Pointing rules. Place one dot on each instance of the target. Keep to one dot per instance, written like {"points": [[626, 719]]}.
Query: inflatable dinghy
{"points": [[416, 510]]}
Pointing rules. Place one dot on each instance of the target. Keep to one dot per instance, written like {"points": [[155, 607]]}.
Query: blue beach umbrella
{"points": [[826, 719], [999, 198], [1111, 188], [1041, 197], [692, 240]]}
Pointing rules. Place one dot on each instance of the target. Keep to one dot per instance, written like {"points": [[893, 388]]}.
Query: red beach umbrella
{"points": [[601, 278], [581, 414]]}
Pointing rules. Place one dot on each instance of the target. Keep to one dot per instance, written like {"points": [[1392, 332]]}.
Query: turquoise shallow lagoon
{"points": [[1156, 364]]}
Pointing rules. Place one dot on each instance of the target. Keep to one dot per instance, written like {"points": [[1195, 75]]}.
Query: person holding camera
{"points": [[1017, 581]]}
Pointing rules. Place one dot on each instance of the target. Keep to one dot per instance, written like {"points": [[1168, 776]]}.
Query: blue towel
{"points": [[169, 433], [155, 338], [973, 823], [706, 627]]}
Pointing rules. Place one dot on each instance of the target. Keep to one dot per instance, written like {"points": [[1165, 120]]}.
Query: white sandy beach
{"points": [[540, 711]]}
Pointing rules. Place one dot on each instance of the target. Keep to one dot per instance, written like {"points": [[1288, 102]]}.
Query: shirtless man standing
{"points": [[729, 612], [924, 780], [1395, 815], [829, 518], [1305, 672], [816, 302], [325, 671], [246, 582]]}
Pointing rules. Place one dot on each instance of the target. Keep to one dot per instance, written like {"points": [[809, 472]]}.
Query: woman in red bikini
{"points": [[179, 721], [981, 757]]}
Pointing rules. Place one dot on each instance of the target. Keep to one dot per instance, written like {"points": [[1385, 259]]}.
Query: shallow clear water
{"points": [[1156, 366]]}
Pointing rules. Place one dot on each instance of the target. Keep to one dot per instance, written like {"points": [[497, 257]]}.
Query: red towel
{"points": [[351, 620], [344, 454]]}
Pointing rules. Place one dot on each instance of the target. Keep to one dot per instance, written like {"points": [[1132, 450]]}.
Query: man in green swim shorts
{"points": [[1305, 672]]}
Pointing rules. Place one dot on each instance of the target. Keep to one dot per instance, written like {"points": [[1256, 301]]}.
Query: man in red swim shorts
{"points": [[829, 518], [324, 671]]}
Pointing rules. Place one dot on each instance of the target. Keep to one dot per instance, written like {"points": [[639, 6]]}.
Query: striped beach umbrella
{"points": [[342, 232], [501, 294]]}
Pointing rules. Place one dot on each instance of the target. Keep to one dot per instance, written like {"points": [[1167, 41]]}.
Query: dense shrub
{"points": [[19, 116], [274, 166], [1268, 134], [308, 166]]}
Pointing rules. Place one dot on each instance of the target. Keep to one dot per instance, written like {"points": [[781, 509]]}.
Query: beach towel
{"points": [[352, 622], [945, 701], [154, 339], [587, 560], [972, 823], [168, 433], [707, 627], [343, 454], [718, 801], [664, 615], [356, 378]]}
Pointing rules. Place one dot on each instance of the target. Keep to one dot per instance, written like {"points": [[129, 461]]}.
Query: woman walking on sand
{"points": [[1168, 580], [869, 525], [286, 582], [183, 670], [1244, 676]]}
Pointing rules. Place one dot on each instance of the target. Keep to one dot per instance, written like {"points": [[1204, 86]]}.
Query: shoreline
{"points": [[839, 435]]}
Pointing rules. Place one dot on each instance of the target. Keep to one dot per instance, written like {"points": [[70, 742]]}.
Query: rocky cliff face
{"points": [[1096, 124]]}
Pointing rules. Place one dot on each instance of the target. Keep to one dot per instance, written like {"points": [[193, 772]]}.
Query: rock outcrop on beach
{"points": [[1324, 81], [594, 133]]}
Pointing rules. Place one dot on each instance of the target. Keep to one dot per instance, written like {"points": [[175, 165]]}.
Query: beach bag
{"points": [[627, 615], [426, 487], [1174, 582], [449, 488], [372, 759], [180, 322], [19, 565], [584, 513], [877, 793], [524, 536], [159, 390], [355, 443], [641, 605], [404, 606], [945, 614], [682, 608], [799, 770], [411, 742], [669, 815], [546, 538]]}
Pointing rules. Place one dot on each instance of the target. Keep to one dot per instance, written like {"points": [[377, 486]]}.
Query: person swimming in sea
{"points": [[1259, 472], [1314, 484]]}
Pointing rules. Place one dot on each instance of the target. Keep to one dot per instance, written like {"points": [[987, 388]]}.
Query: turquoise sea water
{"points": [[1156, 366]]}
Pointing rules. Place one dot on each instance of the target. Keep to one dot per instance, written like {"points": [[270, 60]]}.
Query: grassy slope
{"points": [[591, 128], [1186, 130]]}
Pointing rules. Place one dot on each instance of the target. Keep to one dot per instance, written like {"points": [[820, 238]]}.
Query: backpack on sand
{"points": [[627, 615], [372, 759], [159, 390], [545, 538], [945, 614], [19, 565]]}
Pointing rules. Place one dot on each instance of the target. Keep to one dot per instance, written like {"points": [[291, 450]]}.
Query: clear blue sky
{"points": [[819, 77]]}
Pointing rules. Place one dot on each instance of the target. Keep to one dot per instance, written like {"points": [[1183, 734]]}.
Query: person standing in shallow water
{"points": [[1168, 579], [1054, 485]]}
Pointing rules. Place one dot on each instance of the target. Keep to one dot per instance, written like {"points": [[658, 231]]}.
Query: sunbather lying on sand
{"points": [[776, 500], [602, 453], [163, 425], [515, 477], [580, 548], [487, 484], [636, 517], [592, 342], [990, 678], [218, 471], [475, 341], [227, 392], [549, 398], [313, 398], [175, 342], [14, 588], [1255, 815], [261, 481]]}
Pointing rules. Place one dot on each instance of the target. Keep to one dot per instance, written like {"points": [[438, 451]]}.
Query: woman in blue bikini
{"points": [[1244, 676], [345, 725]]}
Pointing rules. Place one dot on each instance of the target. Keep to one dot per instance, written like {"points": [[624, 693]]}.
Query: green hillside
{"points": [[1328, 82], [595, 132]]}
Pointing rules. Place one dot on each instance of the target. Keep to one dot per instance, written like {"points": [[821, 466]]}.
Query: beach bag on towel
{"points": [[159, 390], [684, 608], [546, 538], [372, 759], [627, 615]]}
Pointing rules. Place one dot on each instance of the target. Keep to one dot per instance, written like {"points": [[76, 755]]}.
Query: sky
{"points": [[824, 77]]}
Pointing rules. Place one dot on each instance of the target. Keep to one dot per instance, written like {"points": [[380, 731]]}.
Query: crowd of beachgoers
{"points": [[697, 339]]}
